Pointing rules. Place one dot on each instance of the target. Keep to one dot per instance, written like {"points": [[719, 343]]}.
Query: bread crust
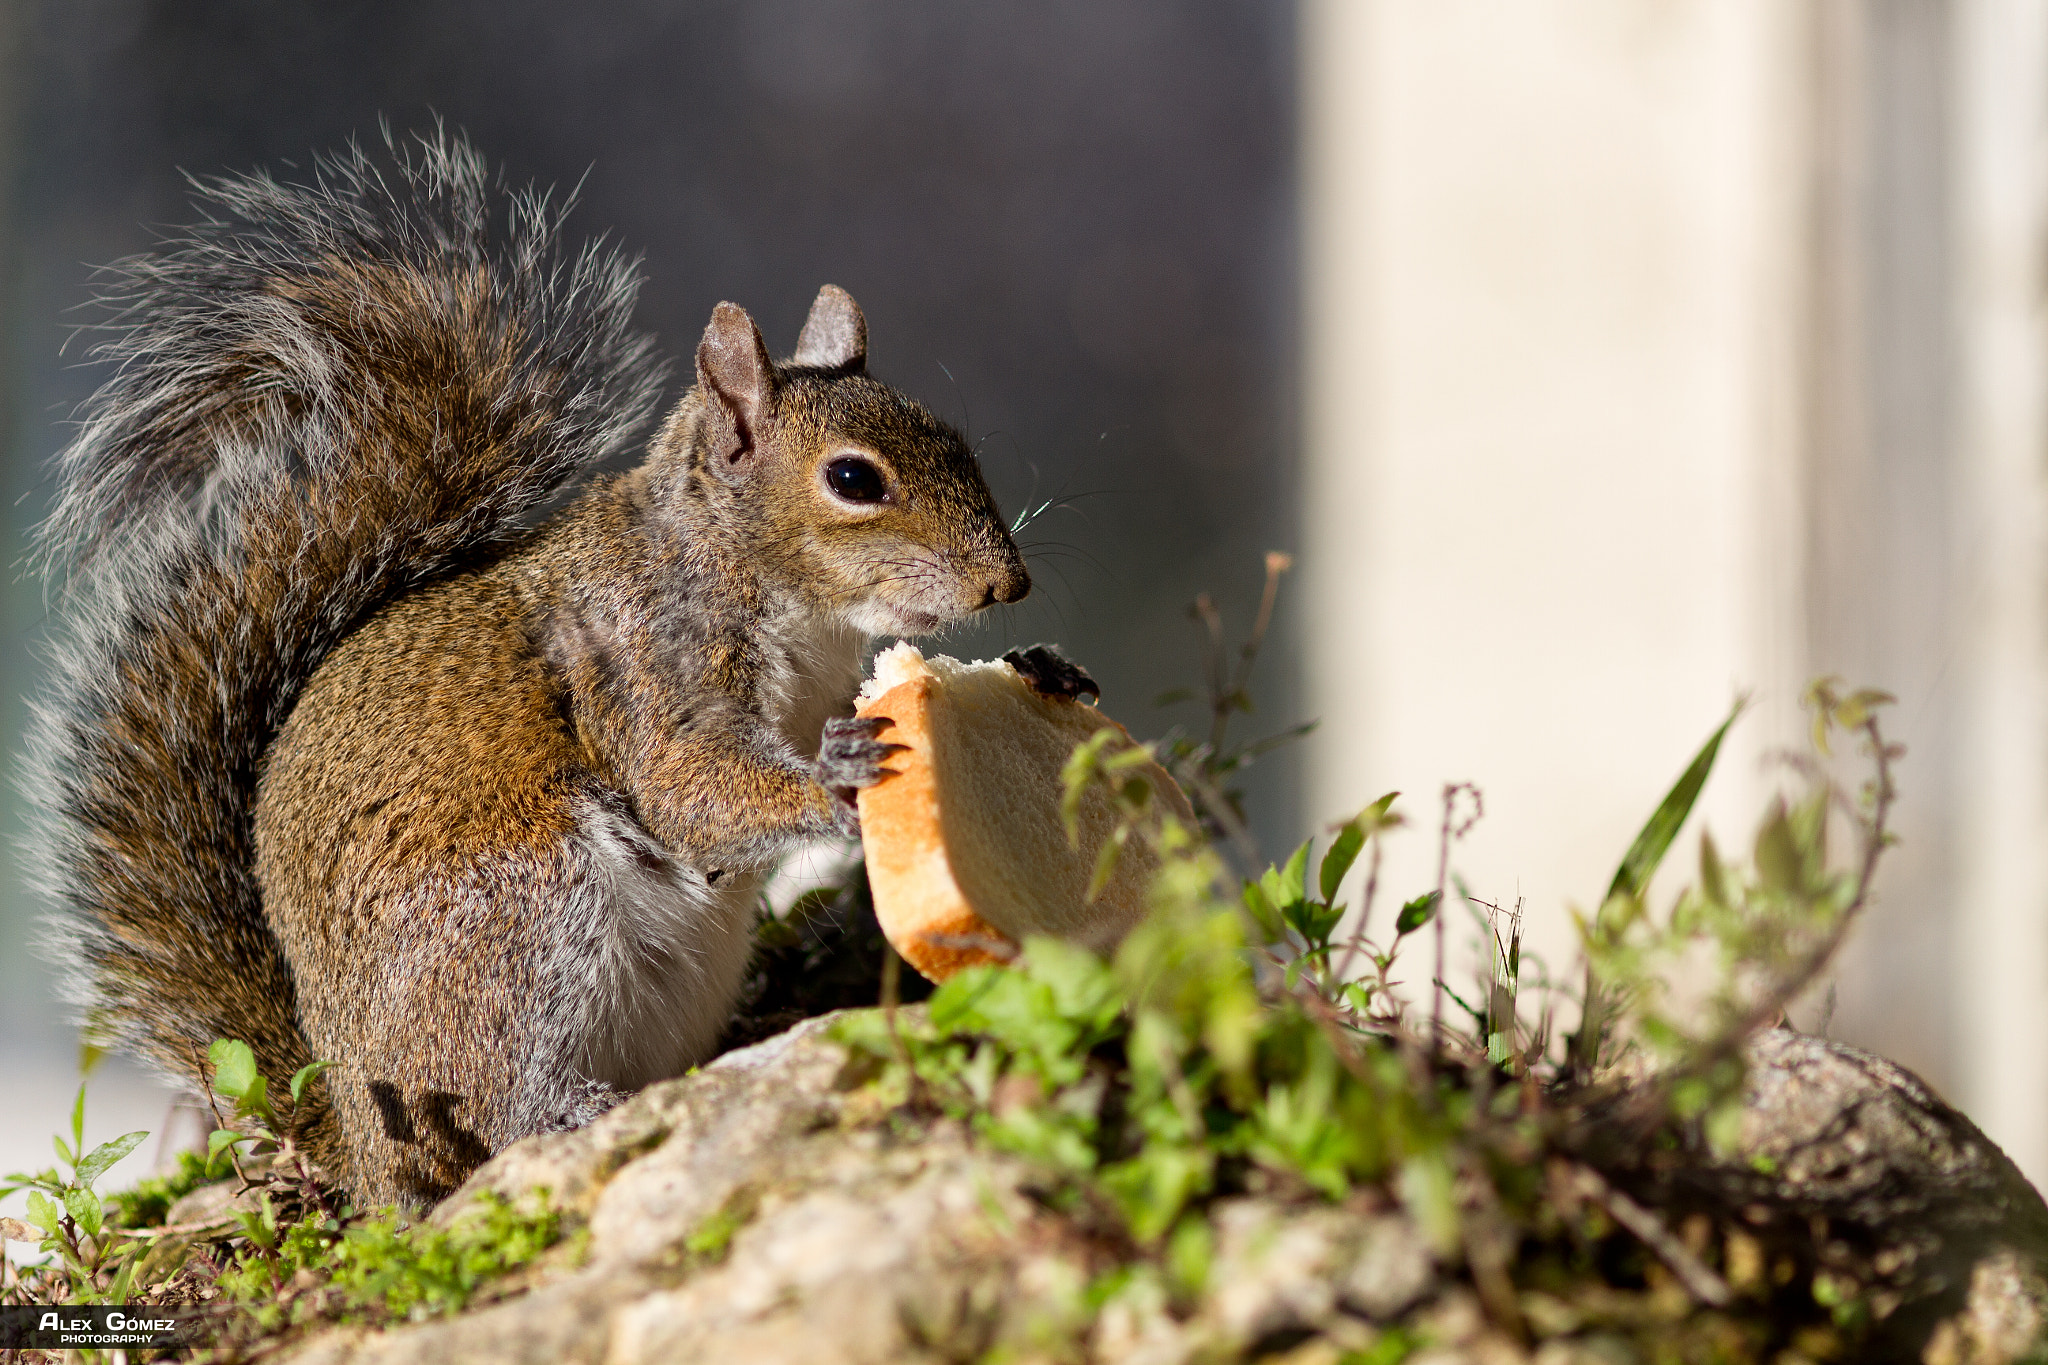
{"points": [[927, 838], [910, 873]]}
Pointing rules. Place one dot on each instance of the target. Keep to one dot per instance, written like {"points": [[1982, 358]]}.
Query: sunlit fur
{"points": [[933, 551], [340, 760]]}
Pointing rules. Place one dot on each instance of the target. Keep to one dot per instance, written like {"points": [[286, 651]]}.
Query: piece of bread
{"points": [[963, 837]]}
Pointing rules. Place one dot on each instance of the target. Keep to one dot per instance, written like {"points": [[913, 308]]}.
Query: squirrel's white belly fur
{"points": [[816, 670], [670, 953], [673, 940]]}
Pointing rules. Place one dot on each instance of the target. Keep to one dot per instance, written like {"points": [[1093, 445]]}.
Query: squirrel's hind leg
{"points": [[444, 1053]]}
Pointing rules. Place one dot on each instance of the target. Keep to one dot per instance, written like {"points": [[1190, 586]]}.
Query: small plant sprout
{"points": [[69, 1221], [1623, 905], [235, 1078]]}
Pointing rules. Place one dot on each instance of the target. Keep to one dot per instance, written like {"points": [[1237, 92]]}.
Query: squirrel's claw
{"points": [[1051, 673], [850, 758]]}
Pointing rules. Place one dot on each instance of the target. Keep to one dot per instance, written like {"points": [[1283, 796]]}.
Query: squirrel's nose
{"points": [[1011, 587]]}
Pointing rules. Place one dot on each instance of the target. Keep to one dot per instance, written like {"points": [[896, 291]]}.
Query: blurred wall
{"points": [[1997, 601], [1548, 421], [1662, 350]]}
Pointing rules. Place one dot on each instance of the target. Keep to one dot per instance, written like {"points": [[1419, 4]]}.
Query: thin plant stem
{"points": [[1276, 565], [1436, 990], [1875, 838], [892, 996], [1372, 888], [1699, 1278], [1452, 830], [1204, 611], [1226, 692]]}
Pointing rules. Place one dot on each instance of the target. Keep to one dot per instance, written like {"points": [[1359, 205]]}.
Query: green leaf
{"points": [[1189, 1253], [1391, 1347], [1084, 987], [1724, 1126], [1855, 709], [1261, 747], [1810, 833], [1270, 887], [234, 1067], [106, 1154], [1379, 815], [219, 1140], [1105, 862], [1713, 881], [84, 1208], [1618, 915], [1778, 862], [1322, 921], [1314, 921], [1478, 1015], [65, 1153], [1426, 1190], [1338, 860], [259, 1225], [1083, 766], [1821, 699], [304, 1077], [44, 1212], [1417, 913], [119, 1292], [77, 1124], [1294, 876], [1264, 914], [956, 1004], [1152, 1187], [1132, 756], [1639, 864]]}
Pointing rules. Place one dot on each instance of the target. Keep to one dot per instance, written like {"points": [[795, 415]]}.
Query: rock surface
{"points": [[1851, 1165], [772, 1209]]}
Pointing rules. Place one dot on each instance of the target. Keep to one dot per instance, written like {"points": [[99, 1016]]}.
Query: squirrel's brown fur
{"points": [[341, 760]]}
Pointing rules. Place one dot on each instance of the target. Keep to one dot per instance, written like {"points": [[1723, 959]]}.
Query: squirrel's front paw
{"points": [[850, 758], [1051, 673]]}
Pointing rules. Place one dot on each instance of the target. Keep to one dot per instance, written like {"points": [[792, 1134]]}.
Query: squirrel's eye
{"points": [[855, 480]]}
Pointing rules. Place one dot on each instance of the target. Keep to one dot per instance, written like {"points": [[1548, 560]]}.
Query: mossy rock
{"points": [[778, 1206]]}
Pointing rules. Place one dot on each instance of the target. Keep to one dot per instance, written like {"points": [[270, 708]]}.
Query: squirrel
{"points": [[346, 757]]}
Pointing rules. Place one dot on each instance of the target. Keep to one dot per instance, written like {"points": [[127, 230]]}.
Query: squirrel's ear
{"points": [[738, 379], [835, 335]]}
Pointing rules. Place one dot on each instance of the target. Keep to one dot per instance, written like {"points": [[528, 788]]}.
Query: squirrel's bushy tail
{"points": [[321, 396]]}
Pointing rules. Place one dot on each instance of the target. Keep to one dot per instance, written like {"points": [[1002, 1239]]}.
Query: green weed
{"points": [[1244, 1038], [381, 1268], [93, 1254]]}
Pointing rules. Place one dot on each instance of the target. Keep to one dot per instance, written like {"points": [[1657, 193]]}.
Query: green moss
{"points": [[709, 1240], [1392, 1347], [382, 1268]]}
